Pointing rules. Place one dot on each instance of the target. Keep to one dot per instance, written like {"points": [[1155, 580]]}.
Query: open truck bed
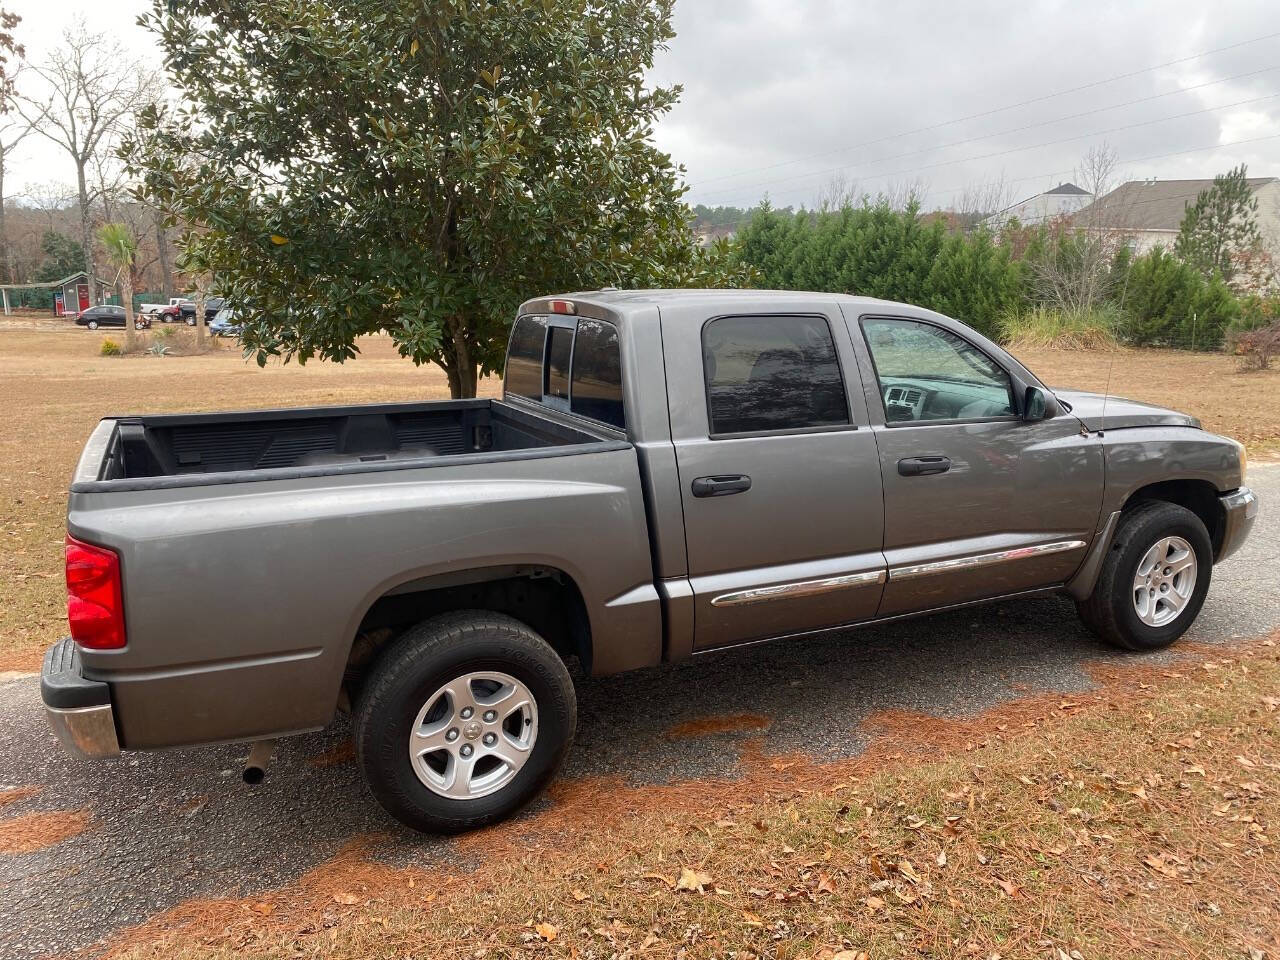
{"points": [[149, 452]]}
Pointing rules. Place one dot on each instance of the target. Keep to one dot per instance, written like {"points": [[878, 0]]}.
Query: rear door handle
{"points": [[721, 486], [923, 466]]}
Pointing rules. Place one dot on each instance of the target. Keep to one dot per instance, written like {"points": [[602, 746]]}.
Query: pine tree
{"points": [[1221, 224]]}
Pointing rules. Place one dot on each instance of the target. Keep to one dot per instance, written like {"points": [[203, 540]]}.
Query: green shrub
{"points": [[1045, 326], [875, 251], [110, 348], [1171, 304]]}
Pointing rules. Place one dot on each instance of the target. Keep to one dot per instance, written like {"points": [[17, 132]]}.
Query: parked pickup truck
{"points": [[667, 473]]}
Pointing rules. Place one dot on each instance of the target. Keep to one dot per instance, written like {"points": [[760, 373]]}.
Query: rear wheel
{"points": [[463, 721], [1154, 579]]}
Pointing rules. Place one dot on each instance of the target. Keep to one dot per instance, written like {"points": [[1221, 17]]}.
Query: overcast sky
{"points": [[780, 96]]}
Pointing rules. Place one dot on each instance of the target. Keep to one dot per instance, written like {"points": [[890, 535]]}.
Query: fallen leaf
{"points": [[875, 903], [657, 876], [752, 919], [546, 931], [347, 899], [825, 884], [942, 858], [850, 955], [692, 880], [908, 871], [579, 895], [1011, 889], [264, 908], [1245, 761]]}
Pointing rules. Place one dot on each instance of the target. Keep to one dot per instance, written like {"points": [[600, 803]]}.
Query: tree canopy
{"points": [[419, 168], [1220, 226]]}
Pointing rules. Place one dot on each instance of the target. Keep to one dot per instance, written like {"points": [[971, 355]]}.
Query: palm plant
{"points": [[122, 250]]}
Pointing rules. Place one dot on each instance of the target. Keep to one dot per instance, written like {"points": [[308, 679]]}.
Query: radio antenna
{"points": [[1106, 393]]}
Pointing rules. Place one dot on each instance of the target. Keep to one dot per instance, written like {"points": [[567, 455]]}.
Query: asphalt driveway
{"points": [[172, 826]]}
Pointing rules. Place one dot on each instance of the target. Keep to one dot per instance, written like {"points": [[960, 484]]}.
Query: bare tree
{"points": [[901, 194], [91, 92], [1075, 272], [981, 200], [50, 198], [13, 130], [838, 193]]}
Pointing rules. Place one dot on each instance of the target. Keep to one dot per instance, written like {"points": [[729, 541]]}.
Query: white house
{"points": [[1062, 201], [1149, 212]]}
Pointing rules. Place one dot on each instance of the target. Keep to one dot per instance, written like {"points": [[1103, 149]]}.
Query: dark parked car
{"points": [[211, 307], [108, 315]]}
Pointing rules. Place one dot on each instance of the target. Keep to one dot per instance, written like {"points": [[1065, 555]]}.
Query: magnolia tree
{"points": [[418, 168]]}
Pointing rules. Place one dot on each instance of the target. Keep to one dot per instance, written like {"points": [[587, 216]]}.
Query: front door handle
{"points": [[721, 486], [923, 466]]}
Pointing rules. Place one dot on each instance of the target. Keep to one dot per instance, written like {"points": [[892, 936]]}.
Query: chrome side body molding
{"points": [[809, 588], [804, 588], [984, 559]]}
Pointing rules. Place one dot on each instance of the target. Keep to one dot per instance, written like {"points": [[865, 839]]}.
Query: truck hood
{"points": [[1113, 413]]}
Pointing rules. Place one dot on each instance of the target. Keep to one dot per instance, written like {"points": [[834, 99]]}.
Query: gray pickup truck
{"points": [[667, 473]]}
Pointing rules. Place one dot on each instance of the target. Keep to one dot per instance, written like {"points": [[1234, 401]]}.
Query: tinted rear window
{"points": [[524, 359], [559, 351], [772, 373], [597, 373]]}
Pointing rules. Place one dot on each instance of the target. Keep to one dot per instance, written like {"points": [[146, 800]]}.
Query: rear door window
{"points": [[524, 358], [772, 373], [597, 374]]}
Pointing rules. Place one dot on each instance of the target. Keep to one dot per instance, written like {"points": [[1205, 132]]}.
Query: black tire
{"points": [[191, 322], [419, 663], [93, 324], [1109, 611]]}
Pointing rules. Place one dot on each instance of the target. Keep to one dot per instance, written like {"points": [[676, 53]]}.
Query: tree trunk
{"points": [[86, 232], [130, 322], [162, 251], [200, 298], [4, 235], [458, 365]]}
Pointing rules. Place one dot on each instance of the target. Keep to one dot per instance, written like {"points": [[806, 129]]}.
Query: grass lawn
{"points": [[54, 387]]}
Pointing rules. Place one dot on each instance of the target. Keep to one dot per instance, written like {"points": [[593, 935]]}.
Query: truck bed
{"points": [[138, 452]]}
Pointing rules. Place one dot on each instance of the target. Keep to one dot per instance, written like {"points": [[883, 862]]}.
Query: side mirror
{"points": [[1034, 406]]}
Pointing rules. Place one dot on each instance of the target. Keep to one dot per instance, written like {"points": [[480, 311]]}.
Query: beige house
{"points": [[1149, 212], [1062, 201]]}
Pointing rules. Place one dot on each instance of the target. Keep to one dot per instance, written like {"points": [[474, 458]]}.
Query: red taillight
{"points": [[95, 601], [563, 306]]}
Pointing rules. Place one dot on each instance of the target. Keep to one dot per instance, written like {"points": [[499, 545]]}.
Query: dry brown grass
{"points": [[1137, 820], [35, 831], [54, 387]]}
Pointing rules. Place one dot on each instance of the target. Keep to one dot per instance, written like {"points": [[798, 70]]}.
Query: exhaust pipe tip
{"points": [[255, 767]]}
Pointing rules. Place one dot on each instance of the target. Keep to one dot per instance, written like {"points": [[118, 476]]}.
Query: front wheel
{"points": [[191, 322], [93, 324], [1154, 579], [463, 720]]}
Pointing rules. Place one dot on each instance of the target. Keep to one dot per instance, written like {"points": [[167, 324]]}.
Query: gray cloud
{"points": [[801, 82]]}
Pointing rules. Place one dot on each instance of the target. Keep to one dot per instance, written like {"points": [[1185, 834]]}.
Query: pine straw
{"points": [[35, 831], [335, 756], [718, 724], [14, 794], [1073, 823]]}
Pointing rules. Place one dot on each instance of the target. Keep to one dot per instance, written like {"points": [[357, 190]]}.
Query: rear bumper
{"points": [[1239, 511], [78, 710]]}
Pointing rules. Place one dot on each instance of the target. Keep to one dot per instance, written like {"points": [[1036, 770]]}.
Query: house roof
{"points": [[1151, 204], [1068, 189]]}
